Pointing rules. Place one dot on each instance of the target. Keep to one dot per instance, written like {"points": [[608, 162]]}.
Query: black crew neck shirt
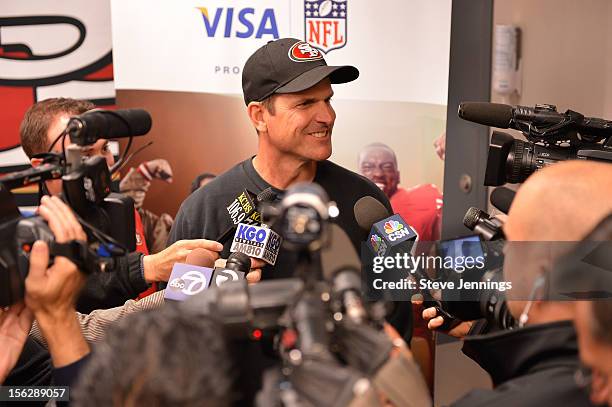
{"points": [[204, 213]]}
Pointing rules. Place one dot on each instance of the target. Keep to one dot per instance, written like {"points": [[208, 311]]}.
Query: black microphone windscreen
{"points": [[489, 114], [470, 220], [369, 210], [117, 123], [238, 261], [502, 198]]}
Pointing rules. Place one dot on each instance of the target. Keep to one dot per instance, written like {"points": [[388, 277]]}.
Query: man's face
{"points": [[100, 147], [302, 123], [377, 164], [593, 353]]}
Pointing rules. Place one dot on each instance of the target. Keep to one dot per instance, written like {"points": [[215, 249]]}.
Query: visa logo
{"points": [[241, 23]]}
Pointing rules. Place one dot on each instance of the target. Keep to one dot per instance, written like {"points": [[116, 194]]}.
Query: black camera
{"points": [[106, 217], [551, 137]]}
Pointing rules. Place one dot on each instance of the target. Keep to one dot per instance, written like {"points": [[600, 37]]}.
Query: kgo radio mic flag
{"points": [[257, 241]]}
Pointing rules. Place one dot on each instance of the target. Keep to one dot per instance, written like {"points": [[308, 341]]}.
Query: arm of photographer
{"points": [[51, 292], [133, 273]]}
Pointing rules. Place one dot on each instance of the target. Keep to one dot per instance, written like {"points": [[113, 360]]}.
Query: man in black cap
{"points": [[287, 90]]}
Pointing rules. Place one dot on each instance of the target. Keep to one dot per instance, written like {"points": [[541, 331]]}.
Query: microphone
{"points": [[388, 234], [483, 224], [506, 116], [244, 209], [342, 268], [236, 267], [257, 241], [187, 280], [502, 198], [91, 126]]}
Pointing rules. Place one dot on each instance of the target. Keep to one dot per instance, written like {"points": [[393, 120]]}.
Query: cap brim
{"points": [[336, 74]]}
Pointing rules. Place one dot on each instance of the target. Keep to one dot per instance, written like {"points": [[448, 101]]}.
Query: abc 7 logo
{"points": [[190, 283]]}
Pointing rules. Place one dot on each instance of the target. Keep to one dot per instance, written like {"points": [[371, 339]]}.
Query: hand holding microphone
{"points": [[158, 266]]}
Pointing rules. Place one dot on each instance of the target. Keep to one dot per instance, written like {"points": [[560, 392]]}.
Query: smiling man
{"points": [[287, 88]]}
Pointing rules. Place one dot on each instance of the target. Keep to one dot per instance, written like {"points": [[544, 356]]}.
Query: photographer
{"points": [[50, 297], [40, 128], [535, 364]]}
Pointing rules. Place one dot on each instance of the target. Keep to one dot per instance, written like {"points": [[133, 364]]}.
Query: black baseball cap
{"points": [[288, 65]]}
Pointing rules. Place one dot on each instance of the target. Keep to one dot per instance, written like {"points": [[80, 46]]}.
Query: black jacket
{"points": [[532, 366], [114, 287]]}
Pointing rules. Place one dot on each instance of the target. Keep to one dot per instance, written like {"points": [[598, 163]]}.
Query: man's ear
{"points": [[35, 162], [255, 111]]}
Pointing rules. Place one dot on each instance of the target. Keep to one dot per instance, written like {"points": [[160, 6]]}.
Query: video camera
{"points": [[106, 217], [551, 137]]}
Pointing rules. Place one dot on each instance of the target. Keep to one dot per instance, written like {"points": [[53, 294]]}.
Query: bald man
{"points": [[536, 364]]}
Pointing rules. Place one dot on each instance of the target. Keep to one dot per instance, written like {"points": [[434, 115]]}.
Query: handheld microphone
{"points": [[502, 198], [257, 241], [483, 224], [243, 209], [236, 267], [388, 234], [91, 126], [187, 280]]}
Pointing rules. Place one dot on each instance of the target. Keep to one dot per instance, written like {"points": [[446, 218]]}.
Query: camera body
{"points": [[106, 217]]}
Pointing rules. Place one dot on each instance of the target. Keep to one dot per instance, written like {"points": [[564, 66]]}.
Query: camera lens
{"points": [[520, 163]]}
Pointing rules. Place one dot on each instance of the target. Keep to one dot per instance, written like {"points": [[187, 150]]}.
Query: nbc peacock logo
{"points": [[393, 226], [376, 242]]}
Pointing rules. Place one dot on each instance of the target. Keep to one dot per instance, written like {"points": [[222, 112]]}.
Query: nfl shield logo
{"points": [[325, 23]]}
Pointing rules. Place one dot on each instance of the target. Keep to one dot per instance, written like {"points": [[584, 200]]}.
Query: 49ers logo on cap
{"points": [[303, 52]]}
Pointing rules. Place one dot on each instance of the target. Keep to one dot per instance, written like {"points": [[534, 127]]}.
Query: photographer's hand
{"points": [[434, 322], [15, 323], [51, 292]]}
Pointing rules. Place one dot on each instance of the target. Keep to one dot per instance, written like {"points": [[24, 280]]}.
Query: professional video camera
{"points": [[106, 217], [551, 137], [330, 343]]}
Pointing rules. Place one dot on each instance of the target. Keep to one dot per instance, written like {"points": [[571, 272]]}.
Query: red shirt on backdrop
{"points": [[421, 207]]}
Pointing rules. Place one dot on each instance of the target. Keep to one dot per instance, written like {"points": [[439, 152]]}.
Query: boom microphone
{"points": [[89, 127], [510, 117]]}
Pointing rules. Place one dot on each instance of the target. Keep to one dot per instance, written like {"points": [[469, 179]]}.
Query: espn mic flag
{"points": [[257, 241], [187, 280], [392, 235]]}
